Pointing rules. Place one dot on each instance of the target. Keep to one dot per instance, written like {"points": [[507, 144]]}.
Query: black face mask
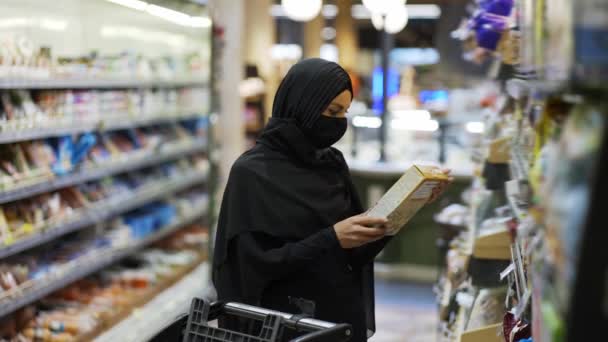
{"points": [[326, 131]]}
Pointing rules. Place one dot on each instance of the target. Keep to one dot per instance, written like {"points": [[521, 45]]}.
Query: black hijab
{"points": [[285, 187], [307, 89]]}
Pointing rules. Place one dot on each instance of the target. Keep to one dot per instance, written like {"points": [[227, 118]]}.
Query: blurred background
{"points": [[120, 119]]}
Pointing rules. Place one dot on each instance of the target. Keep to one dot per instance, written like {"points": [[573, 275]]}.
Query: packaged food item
{"points": [[408, 195], [499, 150], [82, 147], [20, 160], [82, 307], [73, 197], [8, 280], [489, 333], [39, 154], [8, 327], [9, 109], [99, 154], [19, 219], [63, 148], [488, 308], [493, 244], [8, 163], [6, 236], [40, 334]]}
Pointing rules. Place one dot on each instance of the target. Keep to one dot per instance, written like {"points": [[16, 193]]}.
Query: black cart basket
{"points": [[195, 327]]}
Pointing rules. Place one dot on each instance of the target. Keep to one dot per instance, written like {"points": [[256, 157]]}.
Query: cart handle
{"points": [[339, 332], [324, 330]]}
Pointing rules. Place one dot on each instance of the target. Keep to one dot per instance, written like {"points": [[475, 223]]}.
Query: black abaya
{"points": [[275, 240]]}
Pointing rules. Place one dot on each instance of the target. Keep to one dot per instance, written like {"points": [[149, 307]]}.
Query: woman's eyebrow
{"points": [[340, 107]]}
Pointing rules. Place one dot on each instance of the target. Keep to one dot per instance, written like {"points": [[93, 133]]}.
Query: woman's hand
{"points": [[438, 191], [358, 230]]}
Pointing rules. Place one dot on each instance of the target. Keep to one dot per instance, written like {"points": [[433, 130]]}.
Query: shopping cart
{"points": [[195, 327]]}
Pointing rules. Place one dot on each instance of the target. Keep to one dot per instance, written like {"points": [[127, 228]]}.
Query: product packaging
{"points": [[488, 308], [83, 146], [499, 150], [489, 333], [408, 195], [493, 244], [64, 149]]}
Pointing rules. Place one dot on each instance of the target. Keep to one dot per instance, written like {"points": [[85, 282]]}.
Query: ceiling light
{"points": [[383, 7], [378, 21], [413, 114], [329, 11], [475, 127], [414, 12], [168, 14], [424, 11], [367, 122], [329, 52], [200, 22], [328, 33], [393, 22], [415, 125], [53, 25], [360, 12], [396, 20], [14, 22], [300, 10], [48, 24], [134, 4], [138, 34], [286, 51], [277, 11]]}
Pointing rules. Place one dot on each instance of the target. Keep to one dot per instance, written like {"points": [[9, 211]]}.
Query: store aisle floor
{"points": [[405, 312]]}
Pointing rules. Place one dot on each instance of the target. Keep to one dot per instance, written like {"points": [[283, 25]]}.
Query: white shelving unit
{"points": [[105, 210], [87, 264], [100, 83], [146, 103], [29, 130]]}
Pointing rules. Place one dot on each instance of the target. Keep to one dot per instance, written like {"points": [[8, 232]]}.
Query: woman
{"points": [[290, 235]]}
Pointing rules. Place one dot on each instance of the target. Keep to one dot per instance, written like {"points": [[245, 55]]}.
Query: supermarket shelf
{"points": [[196, 214], [163, 309], [100, 83], [87, 265], [9, 134], [85, 175], [104, 211]]}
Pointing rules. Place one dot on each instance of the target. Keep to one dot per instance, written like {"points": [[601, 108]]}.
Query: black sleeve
{"points": [[273, 258], [366, 254]]}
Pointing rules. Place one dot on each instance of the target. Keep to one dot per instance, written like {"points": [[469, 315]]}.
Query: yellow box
{"points": [[410, 193], [491, 333], [493, 253], [499, 150], [496, 237], [495, 244]]}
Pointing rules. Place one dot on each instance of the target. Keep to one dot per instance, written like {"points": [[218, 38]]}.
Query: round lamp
{"points": [[396, 20], [302, 10], [393, 22]]}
